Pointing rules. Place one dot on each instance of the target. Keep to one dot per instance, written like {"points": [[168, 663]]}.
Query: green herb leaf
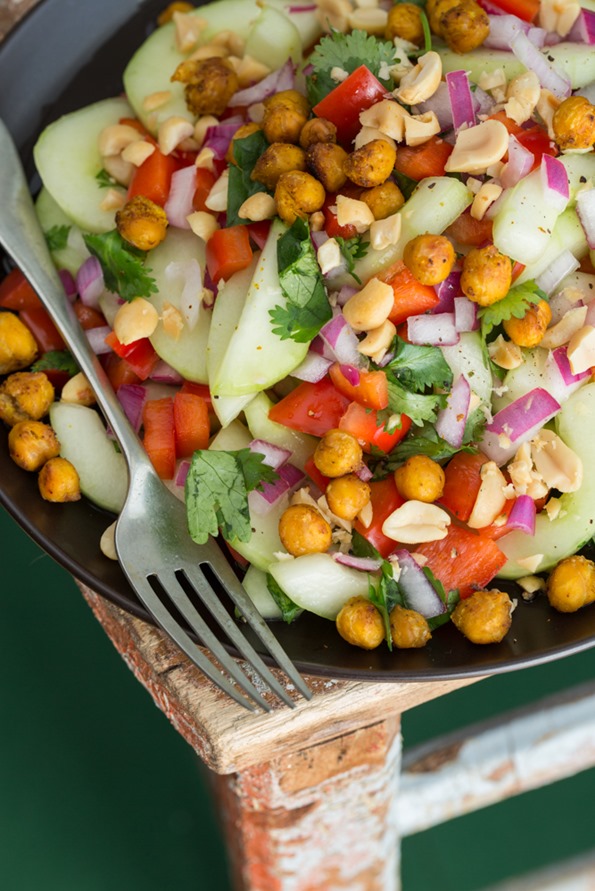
{"points": [[417, 406], [241, 186], [406, 184], [418, 367], [385, 596], [217, 489], [308, 307], [349, 52], [450, 599], [57, 237], [122, 264], [423, 441], [427, 37], [353, 249], [56, 360], [104, 180], [515, 305], [361, 547], [289, 610]]}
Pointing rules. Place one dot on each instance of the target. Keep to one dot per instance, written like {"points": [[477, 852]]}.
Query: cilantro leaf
{"points": [[289, 610], [56, 360], [417, 406], [385, 596], [423, 441], [449, 599], [122, 265], [241, 186], [353, 249], [427, 37], [104, 180], [217, 489], [516, 303], [348, 52], [418, 367], [361, 547], [57, 237], [308, 307]]}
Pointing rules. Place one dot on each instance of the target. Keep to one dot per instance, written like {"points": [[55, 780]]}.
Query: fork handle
{"points": [[23, 239]]}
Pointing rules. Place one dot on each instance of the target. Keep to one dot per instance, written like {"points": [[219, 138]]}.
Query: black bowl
{"points": [[66, 54]]}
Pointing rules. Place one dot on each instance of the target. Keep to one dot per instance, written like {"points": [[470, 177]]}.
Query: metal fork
{"points": [[159, 559]]}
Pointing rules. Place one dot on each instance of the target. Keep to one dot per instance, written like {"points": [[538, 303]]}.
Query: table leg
{"points": [[321, 819]]}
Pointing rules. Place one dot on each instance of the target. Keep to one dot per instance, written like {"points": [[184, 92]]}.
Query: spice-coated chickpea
{"points": [[420, 479], [209, 84], [285, 115], [360, 624], [372, 164], [32, 443], [486, 276], [571, 584], [383, 200], [529, 331], [326, 161], [18, 347], [317, 130], [484, 617], [338, 453], [298, 194], [25, 395], [574, 123], [430, 258], [303, 530], [465, 26], [409, 629], [347, 496], [142, 223], [404, 21], [59, 481], [279, 158]]}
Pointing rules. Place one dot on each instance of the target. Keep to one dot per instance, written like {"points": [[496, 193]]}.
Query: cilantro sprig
{"points": [[515, 305], [353, 249], [56, 360], [104, 180], [217, 489], [307, 306], [418, 367], [385, 594], [241, 186], [122, 264], [57, 237], [347, 52], [289, 610]]}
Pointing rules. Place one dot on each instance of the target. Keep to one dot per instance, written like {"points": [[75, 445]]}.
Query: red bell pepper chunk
{"points": [[228, 251], [42, 328], [372, 390], [318, 478], [159, 435], [205, 180], [139, 354], [311, 408], [464, 560], [191, 424], [87, 316], [118, 371], [385, 499], [524, 9], [343, 105], [462, 483], [153, 178], [419, 161], [16, 292], [363, 423], [411, 298]]}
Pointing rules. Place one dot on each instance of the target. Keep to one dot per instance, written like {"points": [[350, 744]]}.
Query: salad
{"points": [[338, 266]]}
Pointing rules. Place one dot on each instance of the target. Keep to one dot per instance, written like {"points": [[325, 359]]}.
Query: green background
{"points": [[97, 790]]}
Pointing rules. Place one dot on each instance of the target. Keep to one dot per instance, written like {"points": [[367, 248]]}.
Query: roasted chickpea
{"points": [[347, 496], [409, 629], [420, 479], [404, 21], [465, 26], [142, 223], [298, 194], [430, 258], [529, 331], [279, 158], [337, 454], [571, 584], [383, 200], [372, 164], [18, 347], [209, 84], [435, 9], [59, 481], [485, 617], [32, 443], [26, 395], [241, 133], [285, 115], [303, 530], [487, 275], [317, 130], [360, 624], [168, 13], [574, 123], [325, 161]]}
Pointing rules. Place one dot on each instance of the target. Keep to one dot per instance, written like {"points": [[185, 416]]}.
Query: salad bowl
{"points": [[79, 58]]}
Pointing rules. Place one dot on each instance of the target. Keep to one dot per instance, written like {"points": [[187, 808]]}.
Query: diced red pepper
{"points": [[466, 230], [205, 180], [385, 499], [462, 482], [524, 9], [16, 292], [419, 161], [140, 354], [191, 424], [88, 316], [315, 475], [372, 390], [311, 408], [411, 298], [228, 251], [344, 104], [153, 178], [465, 560], [159, 435], [118, 371], [370, 433], [42, 328]]}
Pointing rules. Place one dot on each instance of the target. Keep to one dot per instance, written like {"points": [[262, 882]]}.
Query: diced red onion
{"points": [[583, 30], [190, 273], [275, 82], [590, 317], [522, 515], [440, 104], [310, 7], [503, 29], [417, 589], [483, 101], [554, 179], [292, 475], [451, 421], [273, 455], [549, 77], [344, 294], [341, 340], [261, 503], [557, 271], [68, 283], [218, 138], [96, 338], [351, 374], [434, 330], [461, 99], [364, 473], [520, 163], [465, 314], [89, 282], [558, 377], [364, 564], [518, 423], [585, 208], [182, 473], [163, 373], [447, 291], [313, 368], [132, 399], [560, 305], [319, 238], [491, 8], [179, 201]]}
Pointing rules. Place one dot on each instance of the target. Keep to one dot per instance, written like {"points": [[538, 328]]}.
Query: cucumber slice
{"points": [[265, 542], [568, 235], [559, 538], [318, 584], [187, 354], [273, 39], [580, 169], [524, 222], [83, 441], [523, 379], [231, 438], [255, 357], [255, 585], [68, 161], [468, 358], [261, 427], [49, 215]]}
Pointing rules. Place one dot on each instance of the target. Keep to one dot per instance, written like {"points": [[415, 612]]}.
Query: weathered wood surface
{"points": [[489, 762]]}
